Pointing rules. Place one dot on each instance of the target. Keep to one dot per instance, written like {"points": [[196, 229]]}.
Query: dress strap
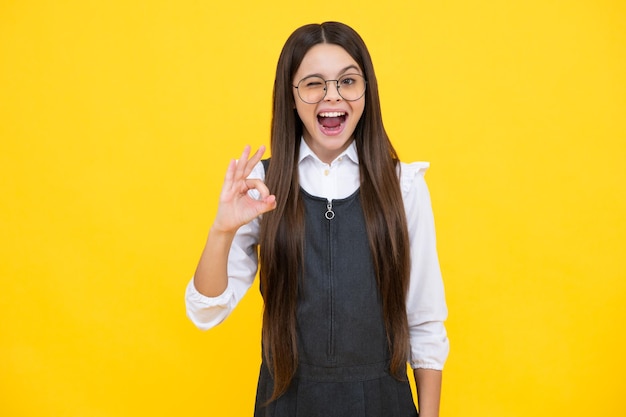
{"points": [[266, 164]]}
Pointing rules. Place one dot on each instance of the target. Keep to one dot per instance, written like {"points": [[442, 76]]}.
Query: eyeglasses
{"points": [[312, 90]]}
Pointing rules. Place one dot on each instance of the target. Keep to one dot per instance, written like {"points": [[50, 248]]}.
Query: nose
{"points": [[332, 93]]}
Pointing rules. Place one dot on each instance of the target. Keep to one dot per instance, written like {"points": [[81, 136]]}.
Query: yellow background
{"points": [[117, 121]]}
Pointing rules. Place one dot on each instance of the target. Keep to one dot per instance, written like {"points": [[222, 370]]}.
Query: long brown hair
{"points": [[282, 230]]}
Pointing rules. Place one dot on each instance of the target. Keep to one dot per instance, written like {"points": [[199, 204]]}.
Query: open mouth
{"points": [[332, 121]]}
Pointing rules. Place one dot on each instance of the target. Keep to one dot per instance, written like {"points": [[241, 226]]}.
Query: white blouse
{"points": [[425, 304]]}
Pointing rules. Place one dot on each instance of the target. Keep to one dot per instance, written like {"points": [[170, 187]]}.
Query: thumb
{"points": [[266, 204]]}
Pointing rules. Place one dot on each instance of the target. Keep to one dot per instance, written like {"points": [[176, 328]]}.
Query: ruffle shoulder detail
{"points": [[409, 173]]}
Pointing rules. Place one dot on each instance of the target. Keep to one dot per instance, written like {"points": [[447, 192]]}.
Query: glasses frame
{"points": [[326, 87]]}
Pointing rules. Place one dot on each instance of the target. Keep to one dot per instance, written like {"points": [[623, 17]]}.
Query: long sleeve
{"points": [[426, 305], [207, 312]]}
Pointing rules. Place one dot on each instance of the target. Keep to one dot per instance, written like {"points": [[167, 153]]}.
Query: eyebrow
{"points": [[343, 71]]}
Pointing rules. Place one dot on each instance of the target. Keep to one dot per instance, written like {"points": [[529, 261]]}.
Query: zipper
{"points": [[330, 214]]}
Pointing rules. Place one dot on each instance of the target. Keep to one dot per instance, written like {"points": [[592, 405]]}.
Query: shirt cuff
{"points": [[429, 346], [207, 312]]}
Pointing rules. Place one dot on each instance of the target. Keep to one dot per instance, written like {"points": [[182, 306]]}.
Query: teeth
{"points": [[332, 114]]}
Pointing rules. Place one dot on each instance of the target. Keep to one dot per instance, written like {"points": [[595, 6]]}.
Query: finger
{"points": [[230, 174], [241, 163], [264, 205], [257, 184], [258, 155], [267, 204]]}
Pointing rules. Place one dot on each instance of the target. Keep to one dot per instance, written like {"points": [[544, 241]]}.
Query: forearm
{"points": [[211, 276], [428, 383]]}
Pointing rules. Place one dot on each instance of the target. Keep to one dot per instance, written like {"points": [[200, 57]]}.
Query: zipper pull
{"points": [[330, 214]]}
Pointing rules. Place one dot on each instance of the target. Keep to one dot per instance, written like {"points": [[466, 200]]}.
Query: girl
{"points": [[348, 265]]}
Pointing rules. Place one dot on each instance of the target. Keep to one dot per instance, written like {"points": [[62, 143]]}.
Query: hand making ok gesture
{"points": [[236, 206]]}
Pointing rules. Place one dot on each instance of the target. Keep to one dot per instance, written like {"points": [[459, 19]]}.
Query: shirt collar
{"points": [[306, 152]]}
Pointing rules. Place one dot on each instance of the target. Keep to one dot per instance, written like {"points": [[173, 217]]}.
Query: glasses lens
{"points": [[351, 86], [312, 89]]}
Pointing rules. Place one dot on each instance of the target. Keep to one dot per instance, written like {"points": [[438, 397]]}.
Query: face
{"points": [[328, 125]]}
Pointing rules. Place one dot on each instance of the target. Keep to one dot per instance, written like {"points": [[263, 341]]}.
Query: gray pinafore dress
{"points": [[343, 368]]}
